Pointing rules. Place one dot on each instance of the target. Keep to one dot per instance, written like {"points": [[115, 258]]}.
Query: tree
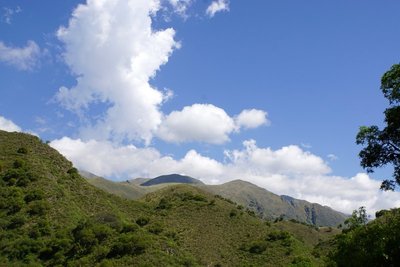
{"points": [[382, 147], [357, 219]]}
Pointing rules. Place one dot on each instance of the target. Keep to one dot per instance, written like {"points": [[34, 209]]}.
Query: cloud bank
{"points": [[289, 170]]}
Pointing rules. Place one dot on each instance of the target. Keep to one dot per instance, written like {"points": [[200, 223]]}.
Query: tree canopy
{"points": [[382, 146]]}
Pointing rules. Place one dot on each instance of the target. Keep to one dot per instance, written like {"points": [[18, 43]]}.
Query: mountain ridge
{"points": [[263, 202]]}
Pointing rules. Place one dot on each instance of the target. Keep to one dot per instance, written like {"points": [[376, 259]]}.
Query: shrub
{"points": [[18, 163], [278, 235], [232, 213], [22, 150], [163, 204], [301, 261], [155, 228], [257, 247], [127, 244], [38, 207], [35, 194], [16, 221], [142, 221]]}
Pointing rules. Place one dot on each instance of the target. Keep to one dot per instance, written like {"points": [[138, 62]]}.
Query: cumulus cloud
{"points": [[113, 50], [25, 58], [217, 6], [251, 118], [207, 123], [289, 170], [199, 122], [8, 125]]}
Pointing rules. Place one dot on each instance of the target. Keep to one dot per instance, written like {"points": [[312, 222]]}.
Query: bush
{"points": [[16, 221], [233, 213], [109, 219], [127, 244], [18, 163], [73, 171], [38, 207], [142, 221], [278, 235], [35, 194], [155, 228], [22, 150], [163, 204], [257, 247]]}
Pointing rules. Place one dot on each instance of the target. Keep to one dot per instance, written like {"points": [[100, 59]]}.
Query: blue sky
{"points": [[267, 91]]}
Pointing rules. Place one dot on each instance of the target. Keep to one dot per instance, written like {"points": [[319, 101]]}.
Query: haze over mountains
{"points": [[265, 204]]}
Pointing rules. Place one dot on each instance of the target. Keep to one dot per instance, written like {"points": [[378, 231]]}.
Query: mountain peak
{"points": [[172, 178]]}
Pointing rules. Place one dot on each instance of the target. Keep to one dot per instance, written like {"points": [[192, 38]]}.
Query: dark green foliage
{"points": [[35, 194], [382, 147], [373, 244], [16, 221], [278, 235], [302, 261], [233, 213], [22, 150], [128, 244], [142, 221], [155, 228], [380, 213], [163, 204], [257, 247], [38, 207]]}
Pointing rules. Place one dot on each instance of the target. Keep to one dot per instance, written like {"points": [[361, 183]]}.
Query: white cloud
{"points": [[180, 6], [251, 118], [104, 158], [114, 51], [25, 58], [207, 123], [289, 160], [9, 126], [217, 6], [289, 170], [199, 122]]}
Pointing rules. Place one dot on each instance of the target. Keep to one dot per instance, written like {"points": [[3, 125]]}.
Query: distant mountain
{"points": [[172, 178], [271, 206], [265, 204]]}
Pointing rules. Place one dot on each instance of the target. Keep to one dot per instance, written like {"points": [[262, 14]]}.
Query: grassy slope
{"points": [[50, 215]]}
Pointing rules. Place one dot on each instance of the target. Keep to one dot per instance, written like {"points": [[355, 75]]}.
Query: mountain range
{"points": [[265, 204]]}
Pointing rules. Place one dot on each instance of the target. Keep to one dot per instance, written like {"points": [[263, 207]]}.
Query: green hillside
{"points": [[50, 215]]}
